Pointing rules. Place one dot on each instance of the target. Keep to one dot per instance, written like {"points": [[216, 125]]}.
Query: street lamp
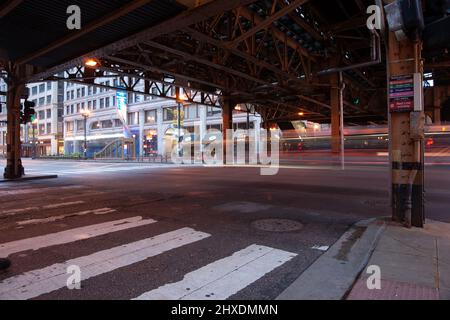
{"points": [[85, 113], [33, 125]]}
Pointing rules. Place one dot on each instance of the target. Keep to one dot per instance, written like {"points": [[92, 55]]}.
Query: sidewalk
{"points": [[414, 265]]}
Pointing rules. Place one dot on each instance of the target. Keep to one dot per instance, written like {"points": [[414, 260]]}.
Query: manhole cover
{"points": [[277, 225]]}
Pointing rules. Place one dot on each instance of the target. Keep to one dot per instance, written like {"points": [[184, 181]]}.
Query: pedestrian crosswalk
{"points": [[220, 278], [54, 277], [223, 278], [64, 237]]}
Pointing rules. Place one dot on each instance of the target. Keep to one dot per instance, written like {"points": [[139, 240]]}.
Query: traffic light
{"points": [[28, 113]]}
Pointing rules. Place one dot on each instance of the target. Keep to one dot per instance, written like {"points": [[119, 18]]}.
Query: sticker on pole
{"points": [[401, 93]]}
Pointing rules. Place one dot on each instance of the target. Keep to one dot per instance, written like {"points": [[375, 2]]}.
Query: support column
{"points": [[227, 123], [337, 114], [405, 149], [437, 102], [141, 132], [202, 130], [159, 120], [14, 168]]}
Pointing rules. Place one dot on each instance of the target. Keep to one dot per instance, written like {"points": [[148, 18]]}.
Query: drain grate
{"points": [[277, 225]]}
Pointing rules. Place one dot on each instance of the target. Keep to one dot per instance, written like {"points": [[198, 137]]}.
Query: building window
{"points": [[80, 125], [72, 109], [78, 93], [49, 86], [89, 91], [150, 117], [107, 124], [94, 90], [49, 99], [41, 101], [49, 113], [133, 118], [107, 102], [212, 111], [67, 109], [118, 123], [49, 128], [41, 88], [94, 104], [41, 115], [169, 114], [95, 125], [34, 90], [89, 105], [191, 112], [72, 94], [69, 127], [78, 108], [68, 95], [83, 92]]}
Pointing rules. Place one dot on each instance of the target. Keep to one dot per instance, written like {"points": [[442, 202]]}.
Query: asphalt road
{"points": [[191, 232]]}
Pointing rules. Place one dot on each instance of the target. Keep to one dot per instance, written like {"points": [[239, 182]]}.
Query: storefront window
{"points": [[150, 142]]}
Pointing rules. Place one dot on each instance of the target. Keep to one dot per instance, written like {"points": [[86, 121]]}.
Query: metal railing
{"points": [[120, 149]]}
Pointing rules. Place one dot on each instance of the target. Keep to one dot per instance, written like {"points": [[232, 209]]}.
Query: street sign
{"points": [[401, 93]]}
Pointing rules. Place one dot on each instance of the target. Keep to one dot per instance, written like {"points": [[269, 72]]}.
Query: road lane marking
{"points": [[37, 190], [100, 211], [223, 278], [71, 235], [14, 212], [35, 283]]}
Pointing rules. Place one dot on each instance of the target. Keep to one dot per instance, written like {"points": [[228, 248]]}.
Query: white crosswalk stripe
{"points": [[101, 211], [35, 283], [71, 235], [13, 212], [223, 278]]}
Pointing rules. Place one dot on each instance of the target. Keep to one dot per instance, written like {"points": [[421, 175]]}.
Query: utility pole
{"points": [[85, 113]]}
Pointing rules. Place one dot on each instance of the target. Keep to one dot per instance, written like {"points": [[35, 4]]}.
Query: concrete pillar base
{"points": [[11, 174]]}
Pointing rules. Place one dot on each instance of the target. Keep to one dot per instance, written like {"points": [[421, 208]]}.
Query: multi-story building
{"points": [[151, 121], [47, 129]]}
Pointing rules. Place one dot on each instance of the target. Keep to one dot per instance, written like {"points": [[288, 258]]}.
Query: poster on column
{"points": [[401, 93]]}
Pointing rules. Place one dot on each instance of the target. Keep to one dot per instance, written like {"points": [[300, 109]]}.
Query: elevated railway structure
{"points": [[290, 59]]}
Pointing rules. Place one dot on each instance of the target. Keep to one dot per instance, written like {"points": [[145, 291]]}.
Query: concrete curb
{"points": [[333, 274], [29, 178]]}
